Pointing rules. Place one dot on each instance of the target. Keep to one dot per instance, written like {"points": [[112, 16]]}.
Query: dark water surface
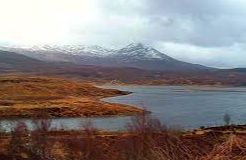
{"points": [[184, 106], [188, 106]]}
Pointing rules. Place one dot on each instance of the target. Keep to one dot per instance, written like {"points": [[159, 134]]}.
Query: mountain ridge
{"points": [[14, 63], [135, 55]]}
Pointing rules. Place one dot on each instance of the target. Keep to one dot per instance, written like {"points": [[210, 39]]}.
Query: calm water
{"points": [[186, 107]]}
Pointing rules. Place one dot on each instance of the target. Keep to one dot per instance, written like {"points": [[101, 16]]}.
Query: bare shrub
{"points": [[227, 119], [39, 136], [153, 140], [19, 146], [234, 148], [88, 129], [87, 145], [41, 121]]}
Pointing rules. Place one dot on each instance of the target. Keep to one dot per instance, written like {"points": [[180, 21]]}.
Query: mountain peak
{"points": [[142, 51], [138, 45], [135, 45]]}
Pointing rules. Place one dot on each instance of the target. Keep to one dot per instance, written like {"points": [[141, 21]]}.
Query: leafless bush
{"points": [[234, 148], [87, 145], [41, 121], [19, 146], [227, 119], [153, 140], [145, 124], [39, 139], [88, 129]]}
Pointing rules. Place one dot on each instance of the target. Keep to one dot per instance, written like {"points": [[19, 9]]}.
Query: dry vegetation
{"points": [[144, 139], [26, 96]]}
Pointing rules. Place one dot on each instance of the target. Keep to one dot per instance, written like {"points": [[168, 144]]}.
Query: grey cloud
{"points": [[215, 30], [206, 23]]}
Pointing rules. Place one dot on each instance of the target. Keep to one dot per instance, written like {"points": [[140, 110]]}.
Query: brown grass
{"points": [[143, 141], [27, 96]]}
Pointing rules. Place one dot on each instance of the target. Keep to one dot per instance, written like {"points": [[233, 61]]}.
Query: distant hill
{"points": [[10, 61], [146, 57], [135, 55], [122, 68]]}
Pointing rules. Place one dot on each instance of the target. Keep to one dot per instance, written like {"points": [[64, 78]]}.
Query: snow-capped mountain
{"points": [[75, 49], [135, 55], [141, 51]]}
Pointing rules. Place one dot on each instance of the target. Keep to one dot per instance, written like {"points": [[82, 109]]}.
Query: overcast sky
{"points": [[209, 32]]}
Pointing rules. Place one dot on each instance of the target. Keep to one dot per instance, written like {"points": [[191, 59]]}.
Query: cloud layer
{"points": [[211, 32]]}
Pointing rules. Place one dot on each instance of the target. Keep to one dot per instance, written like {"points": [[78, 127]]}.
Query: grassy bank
{"points": [[144, 139], [27, 96]]}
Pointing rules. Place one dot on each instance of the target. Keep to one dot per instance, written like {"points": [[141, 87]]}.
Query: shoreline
{"points": [[214, 88], [58, 98], [181, 85]]}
